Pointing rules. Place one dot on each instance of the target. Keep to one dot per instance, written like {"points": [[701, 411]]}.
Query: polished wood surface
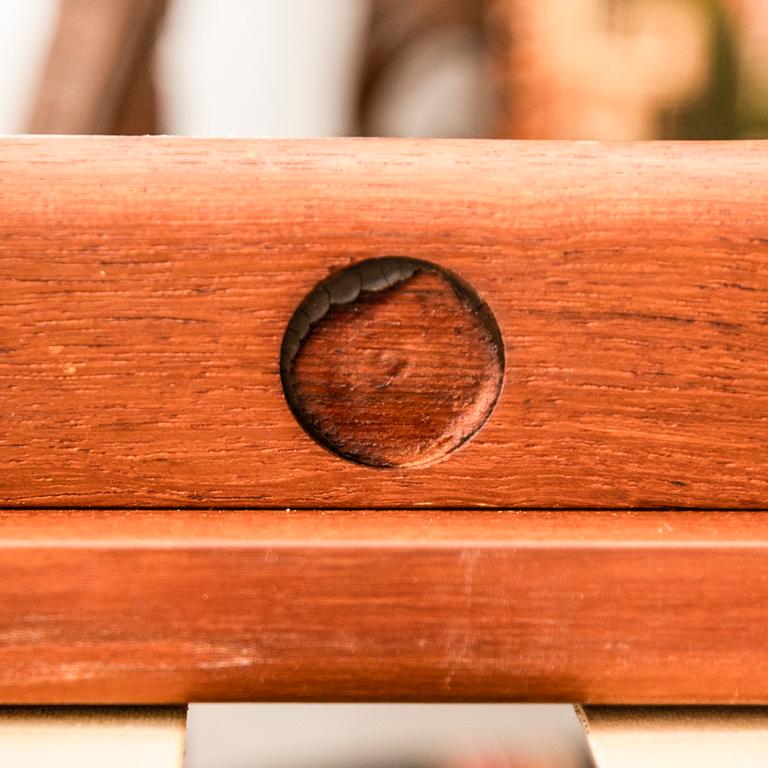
{"points": [[147, 283], [363, 363], [598, 607]]}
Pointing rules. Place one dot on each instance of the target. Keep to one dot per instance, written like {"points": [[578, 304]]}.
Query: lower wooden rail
{"points": [[593, 607]]}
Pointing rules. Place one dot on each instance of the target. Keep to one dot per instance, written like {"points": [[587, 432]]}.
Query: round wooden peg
{"points": [[392, 362]]}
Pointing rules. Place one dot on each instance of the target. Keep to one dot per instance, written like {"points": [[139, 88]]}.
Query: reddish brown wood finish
{"points": [[146, 285], [370, 380], [644, 607]]}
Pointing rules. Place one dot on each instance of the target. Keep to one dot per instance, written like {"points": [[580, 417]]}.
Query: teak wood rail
{"points": [[575, 517], [147, 284]]}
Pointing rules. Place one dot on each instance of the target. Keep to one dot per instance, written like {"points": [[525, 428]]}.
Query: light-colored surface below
{"points": [[92, 737], [676, 737], [353, 735]]}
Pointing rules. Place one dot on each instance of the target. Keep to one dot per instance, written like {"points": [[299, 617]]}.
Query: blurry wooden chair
{"points": [[98, 78]]}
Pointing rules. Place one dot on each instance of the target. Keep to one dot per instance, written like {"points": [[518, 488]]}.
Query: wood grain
{"points": [[146, 285], [598, 607], [363, 363]]}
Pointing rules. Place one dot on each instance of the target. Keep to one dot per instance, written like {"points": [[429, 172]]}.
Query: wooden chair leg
{"points": [[92, 737], [707, 737]]}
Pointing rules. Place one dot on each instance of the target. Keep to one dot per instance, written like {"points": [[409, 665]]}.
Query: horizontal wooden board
{"points": [[145, 285], [598, 607]]}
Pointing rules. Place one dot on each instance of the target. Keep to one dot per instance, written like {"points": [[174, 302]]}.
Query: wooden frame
{"points": [[147, 284], [172, 607], [171, 534]]}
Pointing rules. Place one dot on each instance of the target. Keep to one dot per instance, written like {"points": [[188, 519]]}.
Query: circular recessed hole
{"points": [[392, 362]]}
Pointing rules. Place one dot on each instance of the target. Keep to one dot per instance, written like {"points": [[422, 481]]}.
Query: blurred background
{"points": [[532, 69], [594, 69]]}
